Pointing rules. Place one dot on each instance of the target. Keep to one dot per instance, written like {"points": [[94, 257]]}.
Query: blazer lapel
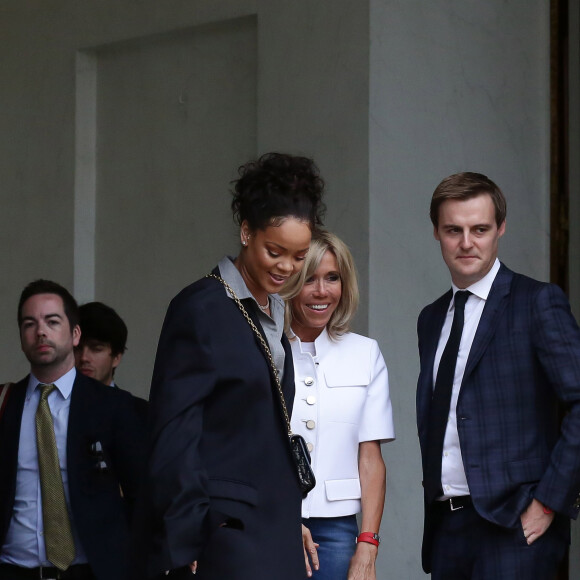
{"points": [[432, 339], [492, 312], [10, 439], [288, 385], [429, 342], [77, 418], [12, 415]]}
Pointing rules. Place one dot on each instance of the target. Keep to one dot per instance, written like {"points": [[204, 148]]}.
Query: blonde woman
{"points": [[342, 408]]}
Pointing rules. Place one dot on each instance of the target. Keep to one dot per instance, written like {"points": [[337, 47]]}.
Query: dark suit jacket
{"points": [[101, 514], [141, 405], [524, 358], [220, 450]]}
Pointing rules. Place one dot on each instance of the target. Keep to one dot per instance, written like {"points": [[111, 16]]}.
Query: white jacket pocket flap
{"points": [[351, 376], [338, 489]]}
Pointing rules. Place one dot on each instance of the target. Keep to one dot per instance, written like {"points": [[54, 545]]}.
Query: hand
{"points": [[310, 553], [535, 522], [179, 573], [193, 565], [362, 564]]}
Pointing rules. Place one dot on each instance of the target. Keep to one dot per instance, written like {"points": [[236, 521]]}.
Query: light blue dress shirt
{"points": [[24, 543]]}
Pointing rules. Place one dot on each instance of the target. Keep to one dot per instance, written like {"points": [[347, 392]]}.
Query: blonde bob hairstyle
{"points": [[323, 241]]}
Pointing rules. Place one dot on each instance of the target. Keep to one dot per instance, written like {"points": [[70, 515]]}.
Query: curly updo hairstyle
{"points": [[275, 187]]}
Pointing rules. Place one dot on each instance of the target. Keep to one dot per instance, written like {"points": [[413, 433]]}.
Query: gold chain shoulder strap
{"points": [[264, 346]]}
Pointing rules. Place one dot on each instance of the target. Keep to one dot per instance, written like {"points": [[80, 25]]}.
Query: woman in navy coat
{"points": [[224, 497]]}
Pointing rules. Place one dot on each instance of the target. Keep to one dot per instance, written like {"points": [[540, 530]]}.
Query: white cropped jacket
{"points": [[342, 399]]}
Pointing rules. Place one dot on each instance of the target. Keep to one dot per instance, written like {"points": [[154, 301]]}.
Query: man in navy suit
{"points": [[98, 445], [102, 345], [103, 342], [501, 474]]}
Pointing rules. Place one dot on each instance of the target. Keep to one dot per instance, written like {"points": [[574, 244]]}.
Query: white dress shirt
{"points": [[453, 480]]}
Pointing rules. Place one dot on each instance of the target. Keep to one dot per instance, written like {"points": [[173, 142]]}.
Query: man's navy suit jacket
{"points": [[101, 510], [524, 358]]}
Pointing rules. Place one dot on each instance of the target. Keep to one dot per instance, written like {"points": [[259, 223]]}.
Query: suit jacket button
{"points": [[310, 424], [308, 381]]}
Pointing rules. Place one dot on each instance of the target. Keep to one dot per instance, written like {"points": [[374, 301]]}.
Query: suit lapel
{"points": [[12, 416], [77, 418], [9, 442], [432, 338], [288, 385], [429, 341], [492, 312]]}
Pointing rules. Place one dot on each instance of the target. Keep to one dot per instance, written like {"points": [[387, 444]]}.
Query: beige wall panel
{"points": [[40, 42], [314, 99], [176, 117], [453, 88]]}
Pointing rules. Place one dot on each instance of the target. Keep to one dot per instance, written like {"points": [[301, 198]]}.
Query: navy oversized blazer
{"points": [[524, 358], [220, 451], [101, 501]]}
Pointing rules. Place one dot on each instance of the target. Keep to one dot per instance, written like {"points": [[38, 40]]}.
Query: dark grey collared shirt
{"points": [[273, 325]]}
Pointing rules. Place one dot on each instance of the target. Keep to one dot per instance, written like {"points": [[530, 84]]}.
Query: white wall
{"points": [[63, 217], [455, 86], [314, 97], [123, 124]]}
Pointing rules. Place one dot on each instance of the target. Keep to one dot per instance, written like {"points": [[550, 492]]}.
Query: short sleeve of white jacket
{"points": [[356, 364]]}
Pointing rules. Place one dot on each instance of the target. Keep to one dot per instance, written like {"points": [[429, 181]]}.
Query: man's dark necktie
{"points": [[60, 548], [439, 412]]}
